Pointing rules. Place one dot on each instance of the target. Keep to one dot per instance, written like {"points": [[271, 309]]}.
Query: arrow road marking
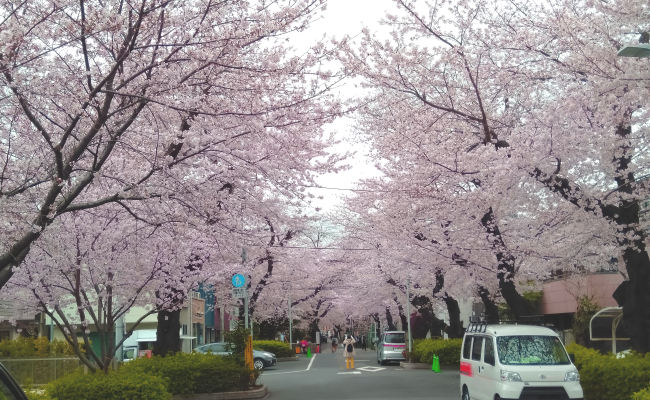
{"points": [[371, 369]]}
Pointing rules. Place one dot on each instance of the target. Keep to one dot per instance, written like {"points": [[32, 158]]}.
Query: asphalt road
{"points": [[324, 377]]}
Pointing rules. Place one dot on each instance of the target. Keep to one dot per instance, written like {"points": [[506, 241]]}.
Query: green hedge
{"points": [[113, 386], [642, 395], [605, 377], [195, 373], [280, 349], [448, 351]]}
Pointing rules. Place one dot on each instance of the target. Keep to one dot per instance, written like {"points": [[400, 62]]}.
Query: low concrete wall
{"points": [[410, 365], [246, 394]]}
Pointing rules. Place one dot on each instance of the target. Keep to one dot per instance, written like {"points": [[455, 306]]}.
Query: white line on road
{"points": [[343, 373], [293, 372], [311, 362]]}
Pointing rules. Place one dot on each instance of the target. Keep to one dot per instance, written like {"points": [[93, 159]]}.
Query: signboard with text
{"points": [[238, 292]]}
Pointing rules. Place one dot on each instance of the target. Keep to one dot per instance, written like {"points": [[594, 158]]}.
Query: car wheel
{"points": [[465, 394], [258, 363], [382, 362]]}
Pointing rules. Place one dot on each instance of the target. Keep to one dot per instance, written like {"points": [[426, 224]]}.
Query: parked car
{"points": [[516, 362], [390, 347], [261, 359], [9, 388]]}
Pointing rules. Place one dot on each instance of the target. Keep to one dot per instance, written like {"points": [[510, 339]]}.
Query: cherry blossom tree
{"points": [[171, 104], [91, 268], [470, 108]]}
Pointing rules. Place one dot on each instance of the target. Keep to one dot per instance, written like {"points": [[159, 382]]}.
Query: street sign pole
{"points": [[290, 322], [246, 309], [408, 309]]}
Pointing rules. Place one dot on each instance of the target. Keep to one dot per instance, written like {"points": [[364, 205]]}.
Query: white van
{"points": [[391, 346], [516, 362]]}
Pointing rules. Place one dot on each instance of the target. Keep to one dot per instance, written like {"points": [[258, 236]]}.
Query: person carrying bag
{"points": [[348, 351]]}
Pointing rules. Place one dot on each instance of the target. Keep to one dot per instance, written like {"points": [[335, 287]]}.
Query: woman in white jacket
{"points": [[348, 351]]}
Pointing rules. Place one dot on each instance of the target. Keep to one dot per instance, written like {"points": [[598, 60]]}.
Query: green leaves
{"points": [[448, 351], [280, 349], [605, 377]]}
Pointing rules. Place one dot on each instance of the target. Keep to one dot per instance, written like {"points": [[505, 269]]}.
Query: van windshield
{"points": [[531, 350], [395, 338]]}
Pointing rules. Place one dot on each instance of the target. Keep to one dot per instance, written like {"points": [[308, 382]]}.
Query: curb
{"points": [[281, 359], [410, 365], [245, 394]]}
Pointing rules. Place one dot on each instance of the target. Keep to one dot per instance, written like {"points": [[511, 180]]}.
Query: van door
{"points": [[477, 391], [466, 370], [487, 373]]}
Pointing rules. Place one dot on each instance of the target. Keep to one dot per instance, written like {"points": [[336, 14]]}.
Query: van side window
{"points": [[488, 351], [477, 348], [467, 347]]}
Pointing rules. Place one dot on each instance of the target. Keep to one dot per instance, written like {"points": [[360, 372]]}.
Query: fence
{"points": [[39, 371]]}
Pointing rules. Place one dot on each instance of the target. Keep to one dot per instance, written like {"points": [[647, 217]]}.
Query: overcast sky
{"points": [[344, 17]]}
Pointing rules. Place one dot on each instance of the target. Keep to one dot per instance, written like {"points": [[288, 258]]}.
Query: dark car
{"points": [[9, 389]]}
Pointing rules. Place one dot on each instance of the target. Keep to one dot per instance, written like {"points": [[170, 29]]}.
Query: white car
{"points": [[516, 362]]}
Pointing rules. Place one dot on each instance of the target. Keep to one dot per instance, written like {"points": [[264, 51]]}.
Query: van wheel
{"points": [[465, 394], [497, 397], [258, 363], [382, 362]]}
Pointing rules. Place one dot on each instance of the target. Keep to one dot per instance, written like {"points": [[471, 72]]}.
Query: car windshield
{"points": [[531, 350], [395, 338]]}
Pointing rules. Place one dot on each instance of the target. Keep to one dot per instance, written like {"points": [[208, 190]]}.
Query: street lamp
{"points": [[639, 51]]}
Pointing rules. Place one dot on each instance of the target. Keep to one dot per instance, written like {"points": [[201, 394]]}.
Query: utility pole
{"points": [[408, 309], [222, 310], [290, 322]]}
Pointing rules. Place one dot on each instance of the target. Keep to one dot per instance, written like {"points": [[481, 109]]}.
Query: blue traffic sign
{"points": [[238, 280]]}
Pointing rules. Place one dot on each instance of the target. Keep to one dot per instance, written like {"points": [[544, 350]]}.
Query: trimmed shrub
{"points": [[642, 395], [24, 347], [280, 349], [194, 373], [448, 351], [605, 377], [112, 386]]}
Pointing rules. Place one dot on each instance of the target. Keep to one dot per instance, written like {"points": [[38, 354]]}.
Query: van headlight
{"points": [[572, 376], [508, 376]]}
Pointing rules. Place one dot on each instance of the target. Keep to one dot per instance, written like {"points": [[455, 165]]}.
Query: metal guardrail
{"points": [[39, 370]]}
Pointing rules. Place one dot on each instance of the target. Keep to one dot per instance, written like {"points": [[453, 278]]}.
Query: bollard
{"points": [[435, 367], [308, 352]]}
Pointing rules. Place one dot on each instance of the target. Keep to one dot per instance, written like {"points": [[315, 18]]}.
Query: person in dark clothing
{"points": [[364, 345]]}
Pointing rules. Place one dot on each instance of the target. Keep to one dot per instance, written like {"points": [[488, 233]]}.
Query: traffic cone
{"points": [[435, 367], [308, 352]]}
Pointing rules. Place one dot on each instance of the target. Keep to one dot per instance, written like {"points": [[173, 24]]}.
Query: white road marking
{"points": [[282, 373], [371, 369], [343, 373], [293, 372], [311, 362]]}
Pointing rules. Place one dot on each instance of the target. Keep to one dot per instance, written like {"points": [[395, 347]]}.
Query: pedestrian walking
{"points": [[349, 352], [335, 343], [364, 344]]}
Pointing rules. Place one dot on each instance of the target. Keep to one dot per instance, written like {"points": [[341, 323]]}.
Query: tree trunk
{"points": [[389, 320], [491, 308], [519, 306], [455, 329], [633, 295], [168, 339]]}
